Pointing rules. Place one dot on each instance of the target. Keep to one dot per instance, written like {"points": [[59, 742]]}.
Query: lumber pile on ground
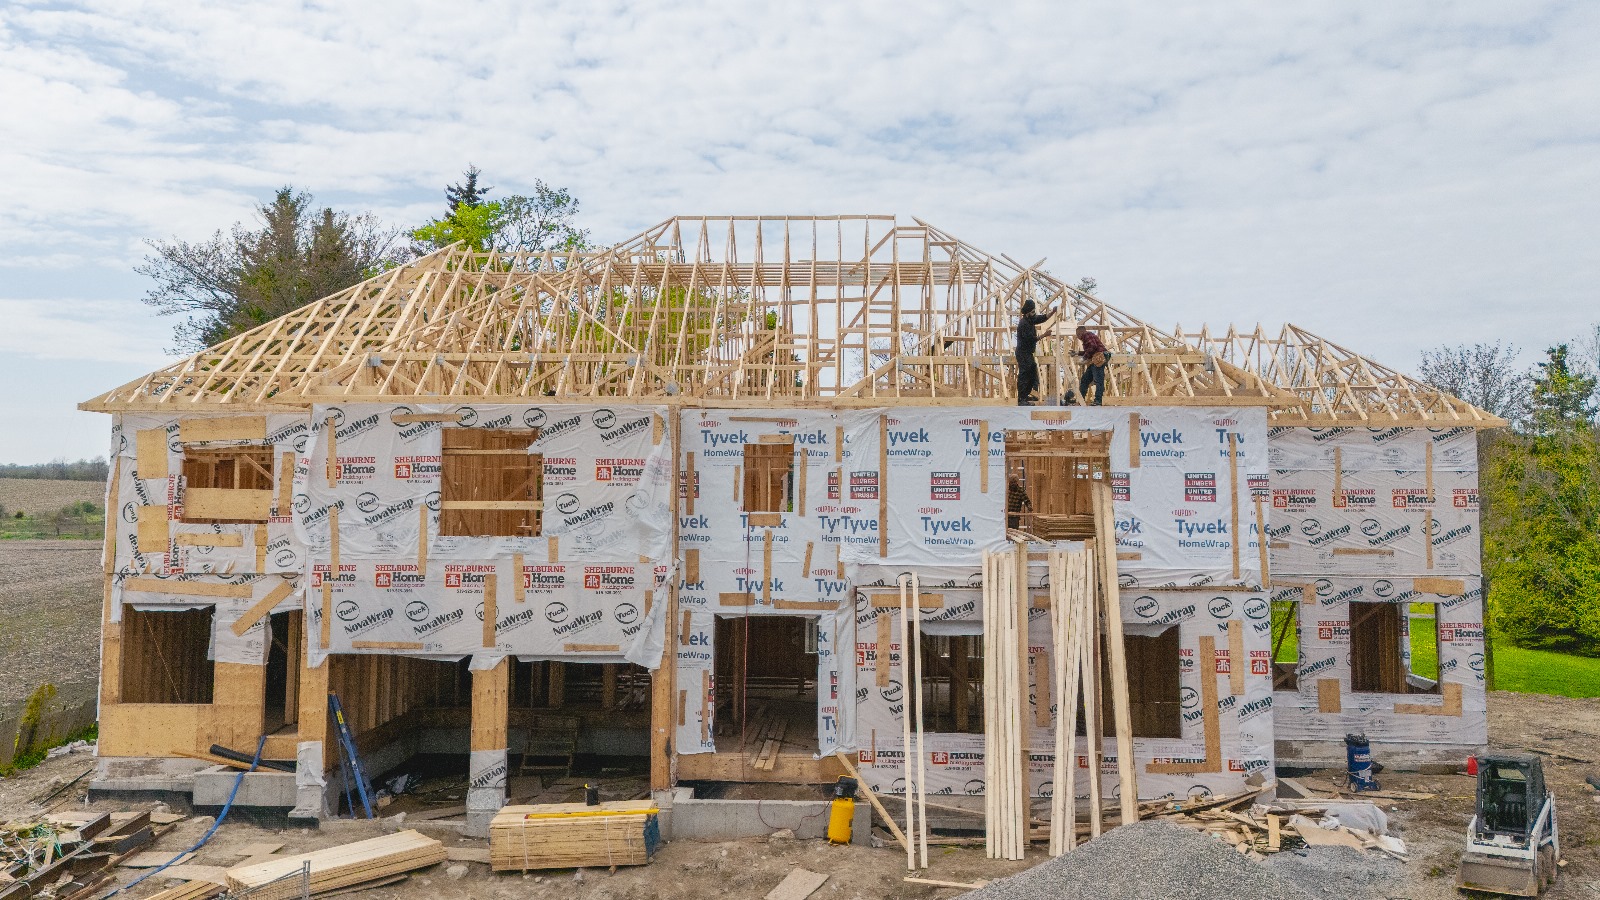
{"points": [[573, 835], [341, 866], [1259, 828]]}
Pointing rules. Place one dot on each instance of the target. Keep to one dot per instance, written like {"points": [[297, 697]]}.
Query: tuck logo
{"points": [[1371, 527], [1146, 606], [604, 418], [1221, 607], [367, 501], [625, 613], [467, 416], [1310, 527], [555, 611], [1256, 608], [1383, 588], [417, 611], [566, 504], [533, 417], [346, 610], [891, 692], [1188, 698]]}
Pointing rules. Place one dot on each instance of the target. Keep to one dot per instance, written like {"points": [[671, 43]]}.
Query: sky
{"points": [[1393, 176]]}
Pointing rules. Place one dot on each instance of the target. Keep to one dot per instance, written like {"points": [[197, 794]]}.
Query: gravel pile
{"points": [[1337, 873], [1152, 860]]}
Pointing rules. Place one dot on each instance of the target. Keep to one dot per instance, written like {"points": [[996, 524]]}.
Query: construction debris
{"points": [[1259, 828]]}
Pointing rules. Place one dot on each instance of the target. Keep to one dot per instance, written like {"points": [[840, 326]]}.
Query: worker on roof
{"points": [[1028, 327], [1095, 356]]}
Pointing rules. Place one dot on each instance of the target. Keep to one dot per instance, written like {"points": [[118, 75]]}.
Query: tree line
{"points": [[1539, 486], [59, 469]]}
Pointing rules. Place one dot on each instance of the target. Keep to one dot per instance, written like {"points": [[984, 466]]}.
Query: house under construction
{"points": [[659, 502]]}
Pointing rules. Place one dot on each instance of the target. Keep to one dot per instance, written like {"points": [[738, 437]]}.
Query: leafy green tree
{"points": [[1562, 396], [233, 282], [544, 220]]}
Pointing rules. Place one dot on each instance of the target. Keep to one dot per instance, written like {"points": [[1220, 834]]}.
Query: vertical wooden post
{"points": [[1116, 652]]}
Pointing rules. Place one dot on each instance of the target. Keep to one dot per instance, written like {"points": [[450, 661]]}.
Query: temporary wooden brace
{"points": [[491, 608], [333, 541], [261, 608], [905, 722], [1238, 665], [881, 657], [1447, 587], [519, 584], [1261, 541], [801, 501], [922, 756], [805, 565], [1111, 612], [422, 540], [187, 588]]}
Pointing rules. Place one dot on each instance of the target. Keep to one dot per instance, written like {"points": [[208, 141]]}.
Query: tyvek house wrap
{"points": [[1354, 521], [589, 584]]}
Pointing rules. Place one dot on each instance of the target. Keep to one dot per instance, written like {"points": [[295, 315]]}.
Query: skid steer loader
{"points": [[1512, 841]]}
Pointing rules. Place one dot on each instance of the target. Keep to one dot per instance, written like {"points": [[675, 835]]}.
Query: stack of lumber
{"points": [[342, 866], [573, 835]]}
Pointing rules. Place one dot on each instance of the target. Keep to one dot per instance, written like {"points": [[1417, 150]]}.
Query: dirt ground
{"points": [[42, 495], [49, 615], [1433, 830]]}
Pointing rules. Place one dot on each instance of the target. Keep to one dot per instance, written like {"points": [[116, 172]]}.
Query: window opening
{"points": [[1285, 645], [165, 656], [244, 473], [1049, 476], [490, 486], [1393, 649], [769, 477]]}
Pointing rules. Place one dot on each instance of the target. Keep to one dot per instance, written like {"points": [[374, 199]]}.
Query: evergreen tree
{"points": [[467, 194], [1562, 397], [233, 282]]}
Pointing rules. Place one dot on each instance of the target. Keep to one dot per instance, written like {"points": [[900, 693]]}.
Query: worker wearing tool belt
{"points": [[1028, 327], [1095, 356]]}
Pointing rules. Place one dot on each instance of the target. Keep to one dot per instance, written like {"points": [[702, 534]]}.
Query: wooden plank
{"points": [[414, 418], [775, 439], [764, 519], [683, 708], [983, 457], [519, 586], [685, 629], [736, 598], [333, 540], [883, 486], [491, 609], [591, 648], [153, 532], [705, 706], [179, 588], [261, 547], [690, 487], [797, 885], [1042, 688], [1261, 541], [1427, 536], [885, 639], [806, 563], [1233, 498], [341, 866], [1133, 440], [872, 798], [227, 503], [204, 539], [333, 451], [1238, 664], [691, 565], [387, 645], [261, 608], [958, 885], [327, 613], [150, 445], [554, 548], [1450, 705], [232, 428], [1328, 695], [800, 494], [1362, 551], [285, 483], [1040, 415], [838, 444], [1447, 587]]}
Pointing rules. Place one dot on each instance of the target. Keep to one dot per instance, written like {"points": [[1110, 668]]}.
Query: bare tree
{"points": [[1485, 375]]}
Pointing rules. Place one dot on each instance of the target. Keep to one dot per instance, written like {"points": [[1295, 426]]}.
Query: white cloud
{"points": [[1397, 176]]}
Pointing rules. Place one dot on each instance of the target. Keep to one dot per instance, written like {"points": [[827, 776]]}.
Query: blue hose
{"points": [[255, 761]]}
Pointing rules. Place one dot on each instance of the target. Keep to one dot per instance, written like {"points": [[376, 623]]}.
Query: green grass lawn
{"points": [[1543, 672]]}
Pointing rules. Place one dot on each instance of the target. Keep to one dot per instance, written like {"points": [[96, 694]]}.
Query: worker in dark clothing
{"points": [[1094, 356], [1028, 326], [1017, 502]]}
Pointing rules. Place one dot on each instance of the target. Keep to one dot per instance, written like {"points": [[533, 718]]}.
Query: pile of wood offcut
{"points": [[1257, 827], [573, 835]]}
